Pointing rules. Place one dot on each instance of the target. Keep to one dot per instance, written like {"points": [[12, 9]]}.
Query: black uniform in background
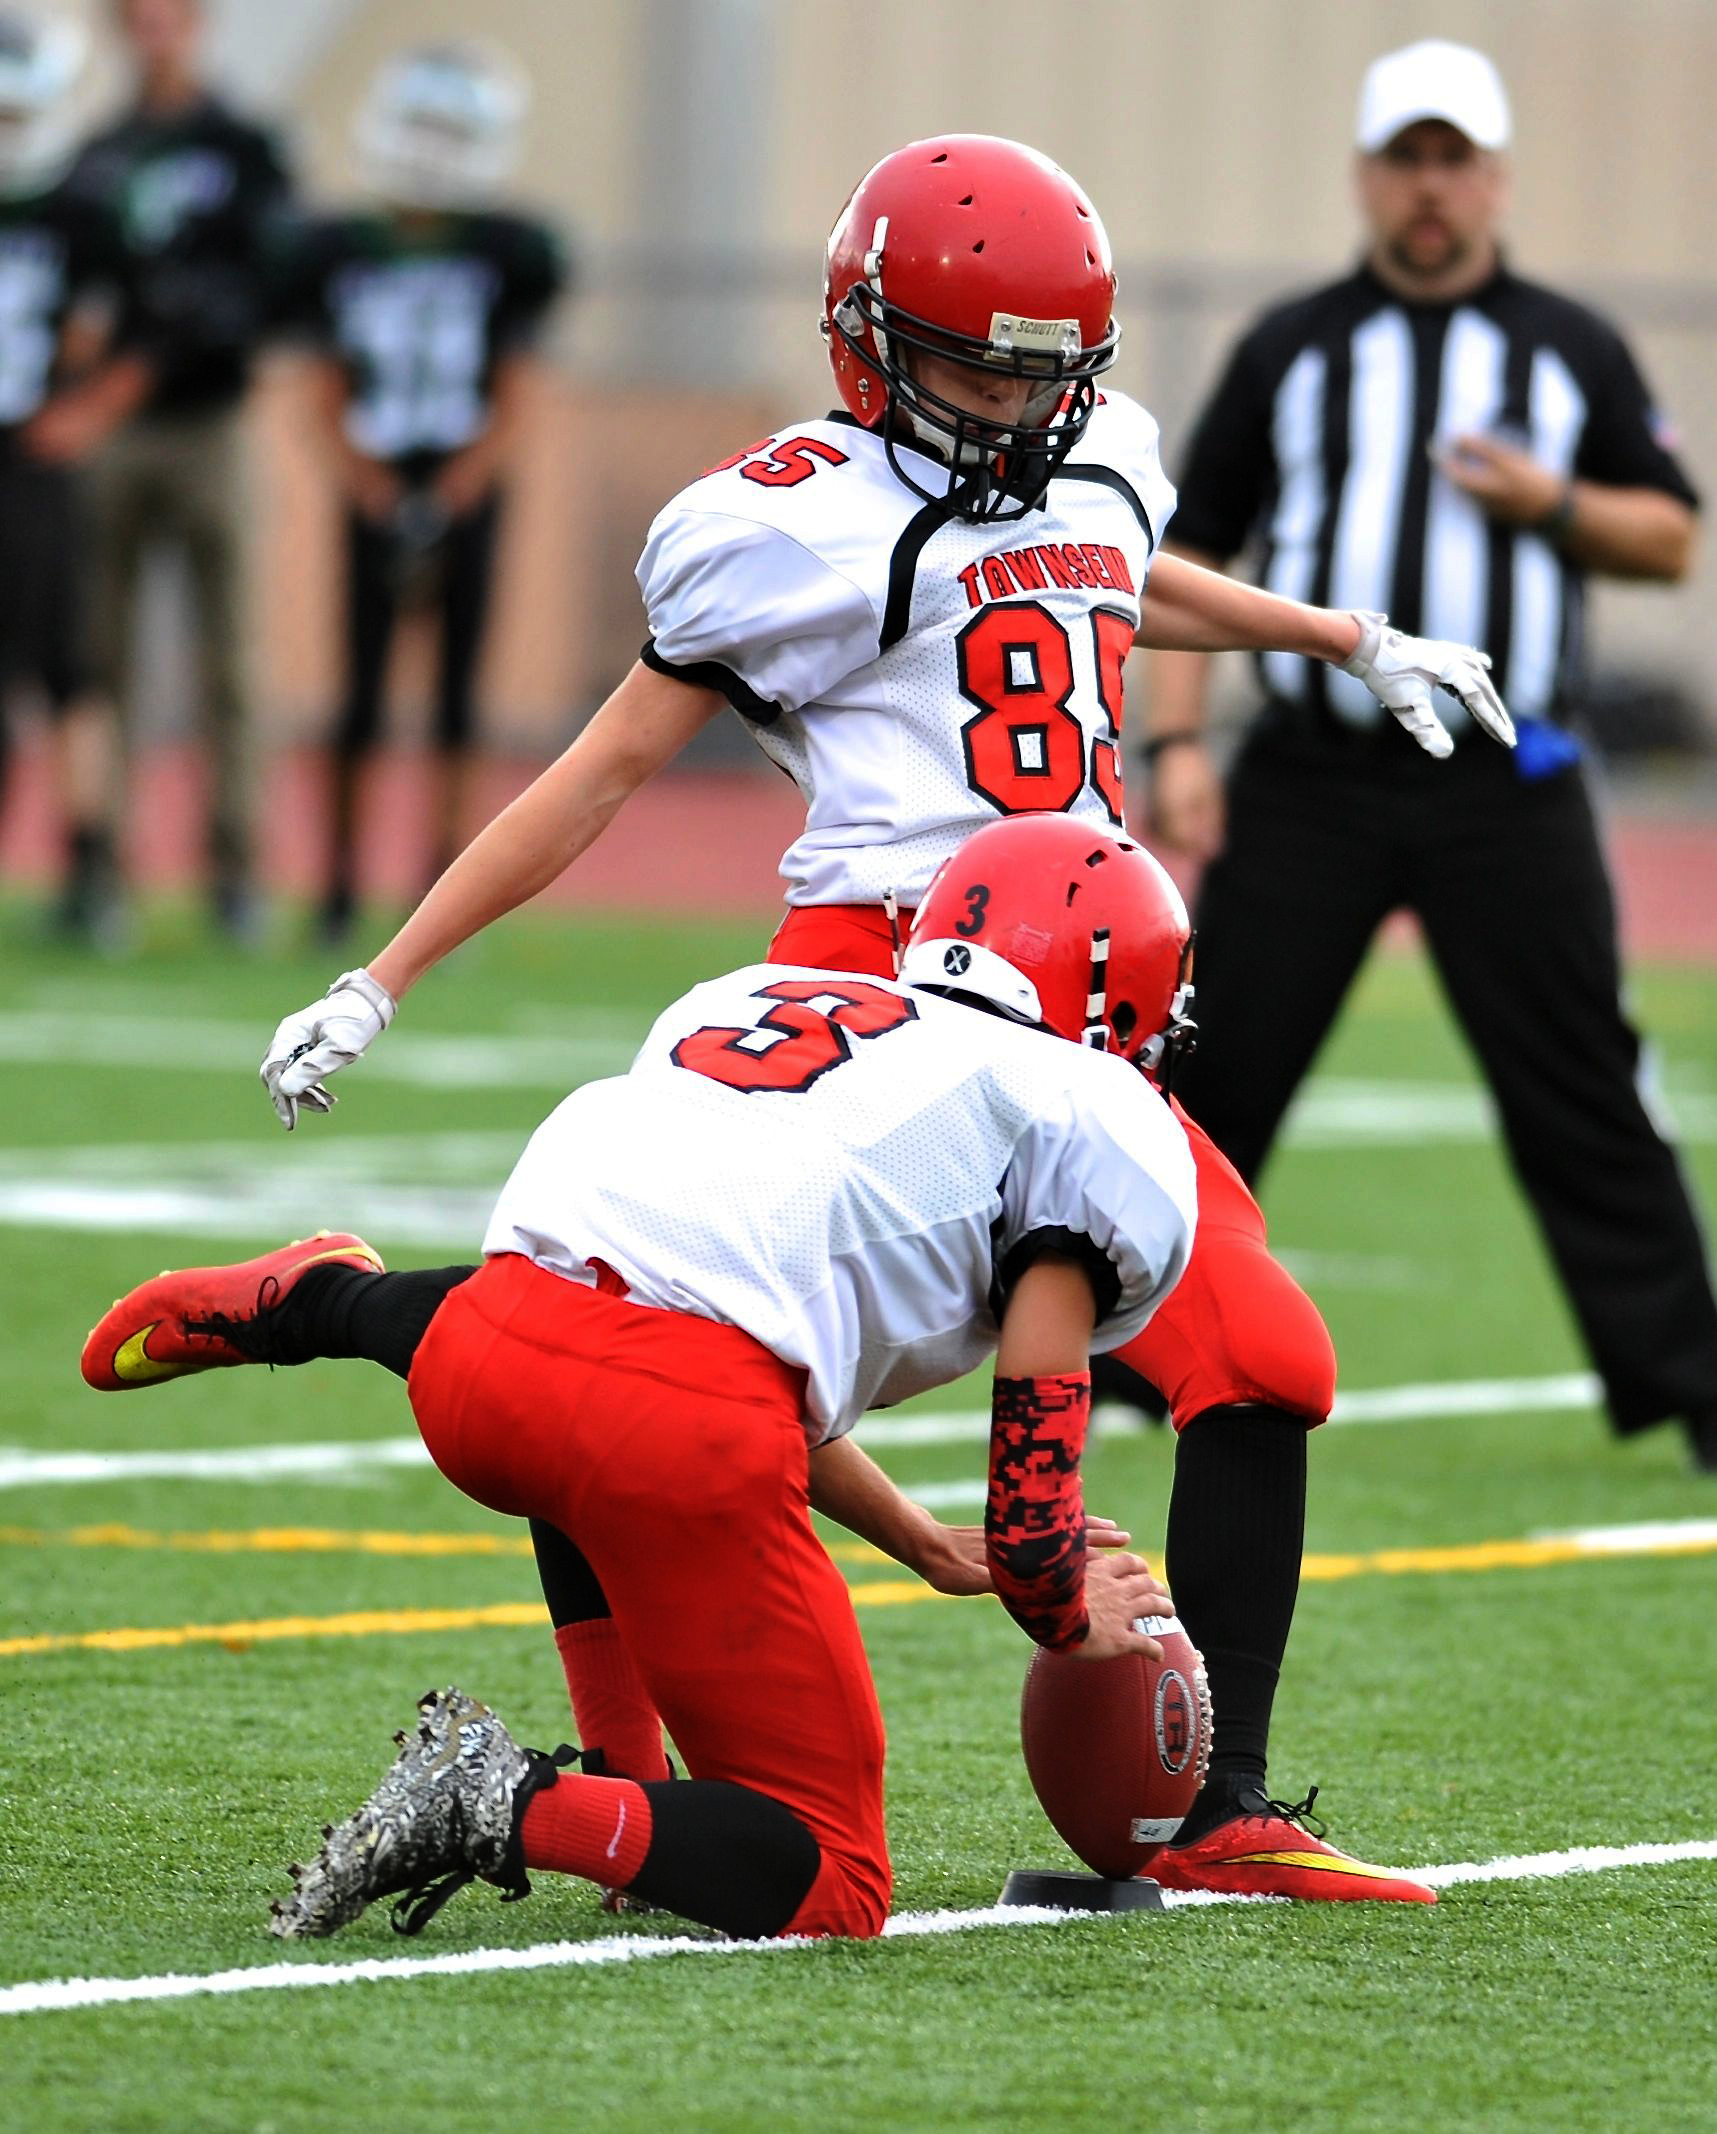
{"points": [[56, 251], [1316, 442], [419, 311], [197, 195]]}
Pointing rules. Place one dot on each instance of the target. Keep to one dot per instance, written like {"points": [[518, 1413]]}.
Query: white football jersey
{"points": [[917, 675], [853, 1172]]}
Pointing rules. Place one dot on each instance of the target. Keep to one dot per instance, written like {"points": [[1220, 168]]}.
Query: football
{"points": [[1117, 1749]]}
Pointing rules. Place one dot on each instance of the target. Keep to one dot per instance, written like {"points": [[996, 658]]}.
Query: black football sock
{"points": [[344, 1311], [726, 1857], [1236, 1532], [707, 1849], [570, 1586]]}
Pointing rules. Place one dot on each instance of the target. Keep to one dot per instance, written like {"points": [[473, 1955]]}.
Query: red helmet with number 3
{"points": [[1066, 925], [983, 252]]}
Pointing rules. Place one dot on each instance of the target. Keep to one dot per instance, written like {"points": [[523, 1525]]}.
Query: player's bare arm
{"points": [[642, 726], [1185, 809], [1035, 1521], [1189, 609], [848, 1487]]}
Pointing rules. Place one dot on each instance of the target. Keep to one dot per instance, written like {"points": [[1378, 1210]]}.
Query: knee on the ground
{"points": [[849, 1898]]}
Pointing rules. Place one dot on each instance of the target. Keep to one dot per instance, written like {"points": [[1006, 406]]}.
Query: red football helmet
{"points": [[1066, 925], [984, 252]]}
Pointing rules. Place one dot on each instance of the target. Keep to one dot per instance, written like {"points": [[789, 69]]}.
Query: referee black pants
{"points": [[1506, 875]]}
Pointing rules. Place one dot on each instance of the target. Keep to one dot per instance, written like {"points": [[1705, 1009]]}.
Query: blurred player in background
{"points": [[58, 252], [814, 1194], [423, 310], [1435, 435], [921, 605], [195, 190]]}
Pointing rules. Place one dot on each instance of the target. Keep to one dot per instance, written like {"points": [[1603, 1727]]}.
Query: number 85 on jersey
{"points": [[1026, 750]]}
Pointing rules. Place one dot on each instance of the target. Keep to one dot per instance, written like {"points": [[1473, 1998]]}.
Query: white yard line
{"points": [[1376, 1404], [1648, 1537], [24, 1469], [1332, 1112], [945, 1496], [600, 1044], [35, 1996], [1471, 1396], [446, 1219], [486, 1153], [1338, 1112], [239, 1463]]}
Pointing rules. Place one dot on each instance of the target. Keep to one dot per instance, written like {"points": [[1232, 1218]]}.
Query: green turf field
{"points": [[152, 1788]]}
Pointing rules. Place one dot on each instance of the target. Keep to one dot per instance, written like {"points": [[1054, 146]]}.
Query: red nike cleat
{"points": [[1267, 1851], [209, 1318]]}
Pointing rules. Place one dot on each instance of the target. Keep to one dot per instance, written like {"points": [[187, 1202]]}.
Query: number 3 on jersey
{"points": [[1025, 749], [808, 1031]]}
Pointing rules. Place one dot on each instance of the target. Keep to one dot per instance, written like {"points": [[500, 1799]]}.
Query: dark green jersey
{"points": [[55, 248], [419, 311], [196, 196]]}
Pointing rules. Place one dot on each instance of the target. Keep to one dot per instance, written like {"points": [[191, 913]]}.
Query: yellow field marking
{"points": [[1526, 1555], [315, 1541], [1523, 1555], [366, 1623]]}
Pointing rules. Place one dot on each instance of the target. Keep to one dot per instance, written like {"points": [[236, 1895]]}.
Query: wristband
{"points": [[1558, 522], [1153, 747], [370, 991], [1034, 1516]]}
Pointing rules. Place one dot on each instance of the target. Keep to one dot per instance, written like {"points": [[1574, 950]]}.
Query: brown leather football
{"points": [[1117, 1749]]}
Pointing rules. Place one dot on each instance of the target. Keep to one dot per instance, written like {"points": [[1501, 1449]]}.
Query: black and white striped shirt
{"points": [[1316, 441]]}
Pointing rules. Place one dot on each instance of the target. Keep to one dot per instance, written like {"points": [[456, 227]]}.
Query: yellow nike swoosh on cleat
{"points": [[1332, 1863], [340, 1252], [134, 1366]]}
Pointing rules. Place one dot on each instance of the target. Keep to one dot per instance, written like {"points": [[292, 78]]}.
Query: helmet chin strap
{"points": [[1179, 1035], [1096, 1032]]}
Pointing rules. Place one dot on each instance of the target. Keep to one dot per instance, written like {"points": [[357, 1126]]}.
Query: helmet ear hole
{"points": [[1124, 1021]]}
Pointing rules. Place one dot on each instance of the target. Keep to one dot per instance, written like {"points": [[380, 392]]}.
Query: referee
{"points": [[1436, 437]]}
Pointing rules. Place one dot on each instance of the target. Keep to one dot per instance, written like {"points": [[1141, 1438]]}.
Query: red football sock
{"points": [[611, 1708], [595, 1827]]}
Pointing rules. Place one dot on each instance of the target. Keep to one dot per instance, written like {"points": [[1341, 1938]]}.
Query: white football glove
{"points": [[321, 1039], [1402, 671]]}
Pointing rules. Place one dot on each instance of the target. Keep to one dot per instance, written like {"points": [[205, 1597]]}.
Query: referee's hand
{"points": [[1402, 671], [1184, 807]]}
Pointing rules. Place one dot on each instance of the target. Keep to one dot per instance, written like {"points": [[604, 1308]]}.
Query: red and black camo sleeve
{"points": [[1034, 1519]]}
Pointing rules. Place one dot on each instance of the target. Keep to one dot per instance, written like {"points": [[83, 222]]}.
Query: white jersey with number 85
{"points": [[916, 674]]}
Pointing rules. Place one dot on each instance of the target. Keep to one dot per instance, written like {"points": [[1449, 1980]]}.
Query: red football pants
{"points": [[1237, 1329], [671, 1451]]}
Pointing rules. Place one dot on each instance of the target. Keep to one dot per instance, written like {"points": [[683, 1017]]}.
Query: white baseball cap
{"points": [[1432, 80]]}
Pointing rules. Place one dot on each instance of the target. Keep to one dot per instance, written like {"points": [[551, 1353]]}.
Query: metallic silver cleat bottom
{"points": [[445, 1808]]}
